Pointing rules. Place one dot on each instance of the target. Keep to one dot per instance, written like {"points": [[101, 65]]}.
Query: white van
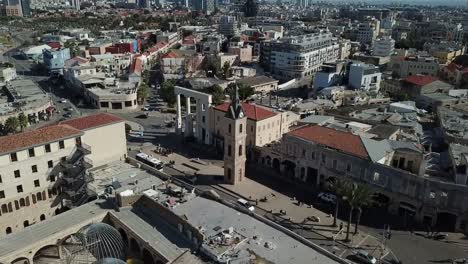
{"points": [[246, 204]]}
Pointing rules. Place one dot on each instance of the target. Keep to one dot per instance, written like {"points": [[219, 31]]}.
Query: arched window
{"points": [[44, 197], [229, 129], [240, 128], [33, 198], [240, 150], [27, 201], [8, 230], [10, 207], [17, 207], [39, 196], [22, 202], [4, 208]]}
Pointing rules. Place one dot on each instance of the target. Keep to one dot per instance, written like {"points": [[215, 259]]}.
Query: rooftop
{"points": [[263, 241], [342, 141], [21, 95], [257, 80], [92, 121], [252, 111], [37, 137], [420, 80]]}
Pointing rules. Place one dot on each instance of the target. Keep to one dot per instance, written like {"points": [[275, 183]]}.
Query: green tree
{"points": [[74, 50], [143, 92], [217, 92], [11, 125], [167, 92], [22, 121], [357, 196], [338, 187], [211, 65], [244, 90], [226, 70]]}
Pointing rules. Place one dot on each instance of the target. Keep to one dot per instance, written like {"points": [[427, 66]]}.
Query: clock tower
{"points": [[234, 142]]}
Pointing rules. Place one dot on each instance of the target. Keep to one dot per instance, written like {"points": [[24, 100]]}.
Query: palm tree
{"points": [[338, 187], [365, 199], [11, 124], [22, 121], [357, 196]]}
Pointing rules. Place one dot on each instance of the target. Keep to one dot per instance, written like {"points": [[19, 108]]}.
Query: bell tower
{"points": [[234, 142]]}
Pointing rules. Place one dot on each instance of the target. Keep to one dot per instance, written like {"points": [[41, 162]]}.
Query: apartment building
{"points": [[299, 56], [414, 65], [445, 51], [368, 31], [54, 59], [383, 47], [228, 26], [45, 171], [363, 76]]}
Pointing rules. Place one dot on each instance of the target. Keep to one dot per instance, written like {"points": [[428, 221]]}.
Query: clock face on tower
{"points": [[241, 114]]}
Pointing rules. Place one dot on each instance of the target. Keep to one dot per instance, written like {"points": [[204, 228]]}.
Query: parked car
{"points": [[69, 109], [246, 204], [63, 100], [67, 115], [364, 257], [327, 197], [146, 108]]}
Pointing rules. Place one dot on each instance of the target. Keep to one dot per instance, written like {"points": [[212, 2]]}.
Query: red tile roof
{"points": [[92, 121], [252, 111], [339, 140], [36, 137], [157, 47], [136, 66], [420, 80], [172, 55], [54, 44]]}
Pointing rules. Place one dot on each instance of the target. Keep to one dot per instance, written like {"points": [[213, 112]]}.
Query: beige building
{"points": [[261, 84], [263, 125], [44, 172]]}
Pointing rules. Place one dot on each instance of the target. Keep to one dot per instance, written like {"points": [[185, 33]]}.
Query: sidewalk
{"points": [[298, 215]]}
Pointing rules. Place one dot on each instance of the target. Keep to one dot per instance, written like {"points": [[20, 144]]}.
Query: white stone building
{"points": [[383, 47], [365, 77], [300, 56]]}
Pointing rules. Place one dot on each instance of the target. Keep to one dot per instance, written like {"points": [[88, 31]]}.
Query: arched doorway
{"points": [[26, 223], [147, 257], [20, 261], [8, 230], [276, 165], [289, 169], [42, 217], [47, 252], [407, 211], [124, 237], [446, 222], [268, 161], [134, 247], [57, 211]]}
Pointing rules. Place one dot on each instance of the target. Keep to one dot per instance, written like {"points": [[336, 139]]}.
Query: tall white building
{"points": [[383, 47], [299, 56], [363, 76]]}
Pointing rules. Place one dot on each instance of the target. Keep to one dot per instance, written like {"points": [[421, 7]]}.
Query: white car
{"points": [[146, 108], [364, 257], [63, 100], [327, 197], [246, 204]]}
